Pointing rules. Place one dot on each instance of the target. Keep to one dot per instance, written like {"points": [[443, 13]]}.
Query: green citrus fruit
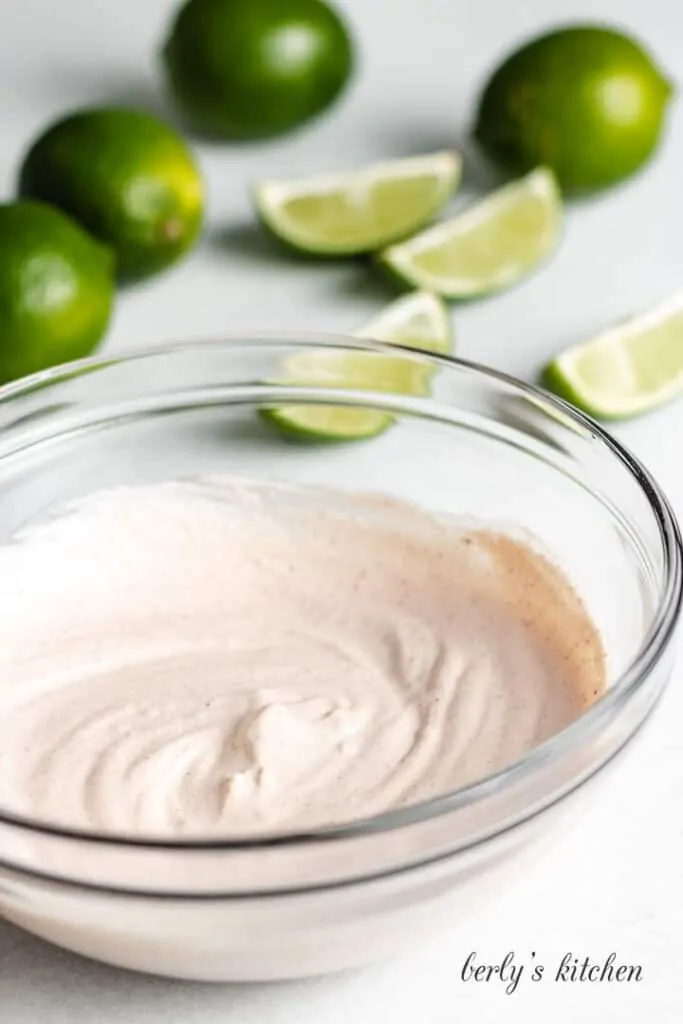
{"points": [[357, 211], [254, 68], [127, 177], [586, 101], [56, 289], [631, 368], [419, 320], [488, 247]]}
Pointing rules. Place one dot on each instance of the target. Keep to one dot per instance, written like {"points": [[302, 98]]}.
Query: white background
{"points": [[616, 884]]}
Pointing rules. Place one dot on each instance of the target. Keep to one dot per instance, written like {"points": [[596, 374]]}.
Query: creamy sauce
{"points": [[222, 656]]}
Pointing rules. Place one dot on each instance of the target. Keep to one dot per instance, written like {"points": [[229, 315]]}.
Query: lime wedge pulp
{"points": [[628, 369], [419, 321], [488, 247], [360, 210]]}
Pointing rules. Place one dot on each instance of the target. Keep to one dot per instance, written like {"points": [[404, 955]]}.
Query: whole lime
{"points": [[56, 289], [586, 101], [254, 68], [127, 177]]}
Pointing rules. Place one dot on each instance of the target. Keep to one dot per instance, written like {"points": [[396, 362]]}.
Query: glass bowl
{"points": [[481, 445]]}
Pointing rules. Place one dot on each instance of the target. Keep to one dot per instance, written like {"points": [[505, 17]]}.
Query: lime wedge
{"points": [[486, 248], [417, 321], [629, 369], [358, 211]]}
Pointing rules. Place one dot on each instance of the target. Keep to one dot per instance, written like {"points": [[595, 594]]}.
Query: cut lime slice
{"points": [[629, 369], [487, 248], [418, 321], [361, 210]]}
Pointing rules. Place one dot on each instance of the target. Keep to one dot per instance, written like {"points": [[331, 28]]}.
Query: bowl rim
{"points": [[568, 741]]}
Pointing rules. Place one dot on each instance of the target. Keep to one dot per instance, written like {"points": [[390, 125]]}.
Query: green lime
{"points": [[629, 369], [586, 101], [253, 68], [56, 289], [416, 321], [357, 211], [127, 177], [488, 247]]}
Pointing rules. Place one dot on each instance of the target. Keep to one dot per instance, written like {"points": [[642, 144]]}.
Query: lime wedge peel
{"points": [[327, 423], [361, 210], [488, 247], [420, 321], [631, 368]]}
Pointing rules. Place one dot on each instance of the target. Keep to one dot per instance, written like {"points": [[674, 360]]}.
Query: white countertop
{"points": [[615, 883]]}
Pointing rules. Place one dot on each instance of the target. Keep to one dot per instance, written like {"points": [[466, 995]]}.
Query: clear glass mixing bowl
{"points": [[482, 445]]}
